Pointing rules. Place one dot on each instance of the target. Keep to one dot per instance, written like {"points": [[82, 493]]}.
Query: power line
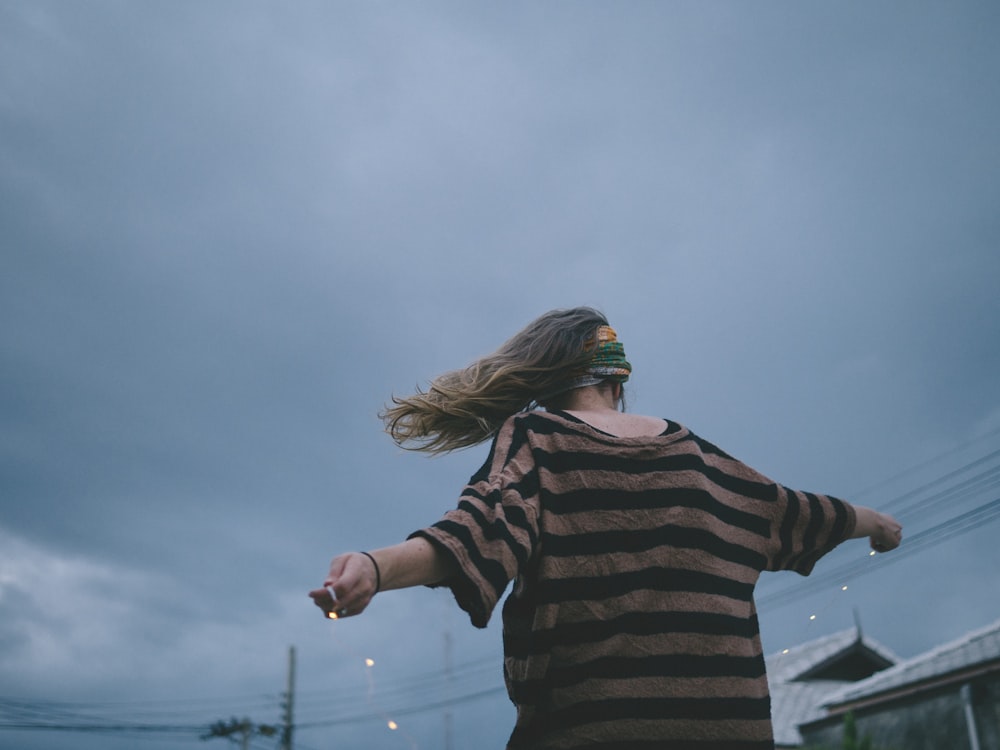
{"points": [[436, 692], [917, 467], [931, 537], [75, 713], [39, 715], [404, 711], [29, 715], [52, 715], [899, 500]]}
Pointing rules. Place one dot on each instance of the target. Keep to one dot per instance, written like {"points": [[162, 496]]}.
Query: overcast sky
{"points": [[231, 230]]}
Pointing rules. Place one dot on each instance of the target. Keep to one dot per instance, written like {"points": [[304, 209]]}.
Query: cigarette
{"points": [[332, 614]]}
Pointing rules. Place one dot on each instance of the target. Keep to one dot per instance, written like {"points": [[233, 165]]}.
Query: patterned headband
{"points": [[609, 361]]}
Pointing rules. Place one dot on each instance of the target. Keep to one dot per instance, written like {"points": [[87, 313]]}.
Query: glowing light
{"points": [[369, 662], [843, 588], [812, 617], [332, 615], [393, 725], [871, 554], [786, 651]]}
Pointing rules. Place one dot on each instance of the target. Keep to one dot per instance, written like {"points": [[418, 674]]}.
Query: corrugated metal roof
{"points": [[977, 647], [794, 703]]}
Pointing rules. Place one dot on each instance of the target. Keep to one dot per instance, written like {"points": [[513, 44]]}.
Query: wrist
{"points": [[378, 572]]}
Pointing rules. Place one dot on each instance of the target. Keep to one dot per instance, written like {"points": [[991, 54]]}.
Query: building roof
{"points": [[796, 678], [973, 650]]}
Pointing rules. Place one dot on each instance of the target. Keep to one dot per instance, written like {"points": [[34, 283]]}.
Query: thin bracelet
{"points": [[378, 573]]}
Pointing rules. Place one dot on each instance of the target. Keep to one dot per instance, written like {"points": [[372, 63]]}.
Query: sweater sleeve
{"points": [[803, 526], [493, 532], [808, 526]]}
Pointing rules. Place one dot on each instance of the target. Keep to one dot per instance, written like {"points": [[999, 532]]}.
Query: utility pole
{"points": [[289, 703], [447, 672], [245, 729]]}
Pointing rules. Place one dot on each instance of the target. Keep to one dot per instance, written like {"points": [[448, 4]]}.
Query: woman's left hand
{"points": [[349, 586]]}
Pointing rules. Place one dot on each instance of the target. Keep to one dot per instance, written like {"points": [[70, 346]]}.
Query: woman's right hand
{"points": [[888, 533]]}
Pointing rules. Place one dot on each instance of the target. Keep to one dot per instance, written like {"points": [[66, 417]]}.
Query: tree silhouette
{"points": [[239, 730], [851, 741]]}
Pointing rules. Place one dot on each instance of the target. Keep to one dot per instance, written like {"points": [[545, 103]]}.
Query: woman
{"points": [[634, 546]]}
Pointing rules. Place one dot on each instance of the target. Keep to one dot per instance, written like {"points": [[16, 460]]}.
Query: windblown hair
{"points": [[465, 407]]}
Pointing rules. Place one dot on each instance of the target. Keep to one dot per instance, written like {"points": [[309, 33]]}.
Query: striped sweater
{"points": [[631, 623]]}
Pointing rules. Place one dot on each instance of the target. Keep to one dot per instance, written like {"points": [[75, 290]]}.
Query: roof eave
{"points": [[835, 711]]}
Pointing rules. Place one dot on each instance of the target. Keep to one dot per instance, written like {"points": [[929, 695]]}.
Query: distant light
{"points": [[812, 617], [871, 554], [786, 651], [843, 588], [393, 725], [369, 662], [332, 615]]}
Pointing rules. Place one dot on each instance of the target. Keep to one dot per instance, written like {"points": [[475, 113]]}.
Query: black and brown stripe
{"points": [[632, 622]]}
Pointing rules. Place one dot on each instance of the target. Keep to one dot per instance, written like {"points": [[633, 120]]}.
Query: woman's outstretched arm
{"points": [[884, 531], [355, 577]]}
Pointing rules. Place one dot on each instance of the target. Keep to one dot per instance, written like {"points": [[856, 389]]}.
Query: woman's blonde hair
{"points": [[464, 407]]}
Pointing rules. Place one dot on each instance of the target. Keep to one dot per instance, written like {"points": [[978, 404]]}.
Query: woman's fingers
{"points": [[347, 590]]}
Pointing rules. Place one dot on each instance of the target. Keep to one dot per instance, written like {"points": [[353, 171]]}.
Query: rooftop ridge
{"points": [[891, 677]]}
